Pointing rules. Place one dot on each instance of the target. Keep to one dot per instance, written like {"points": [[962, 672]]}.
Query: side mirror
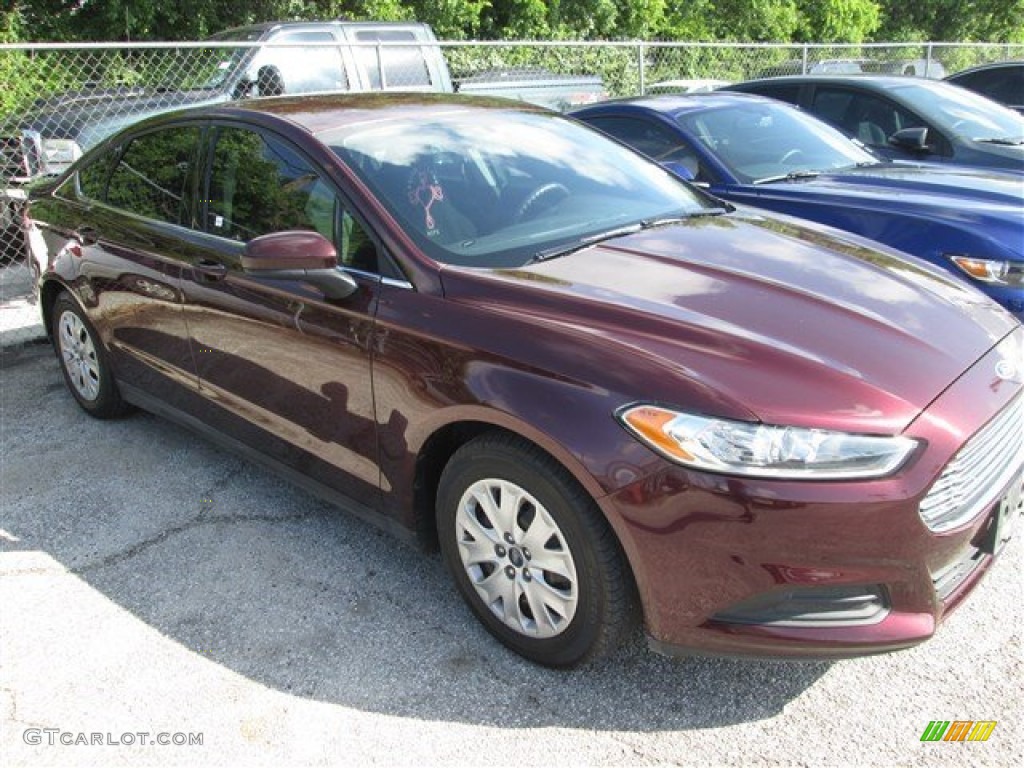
{"points": [[911, 140], [300, 256], [679, 169]]}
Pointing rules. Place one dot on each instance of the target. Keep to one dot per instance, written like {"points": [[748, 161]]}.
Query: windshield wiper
{"points": [[665, 221], [791, 176], [1008, 141], [584, 242], [629, 229]]}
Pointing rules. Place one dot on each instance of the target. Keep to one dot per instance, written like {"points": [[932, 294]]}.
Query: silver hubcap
{"points": [[79, 355], [517, 558]]}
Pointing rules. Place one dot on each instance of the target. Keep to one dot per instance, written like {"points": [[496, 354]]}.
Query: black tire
{"points": [[605, 607], [83, 361]]}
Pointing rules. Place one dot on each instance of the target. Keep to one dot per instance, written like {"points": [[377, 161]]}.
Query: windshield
{"points": [[763, 140], [962, 112], [500, 188]]}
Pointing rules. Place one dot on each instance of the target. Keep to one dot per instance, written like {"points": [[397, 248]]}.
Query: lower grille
{"points": [[982, 468]]}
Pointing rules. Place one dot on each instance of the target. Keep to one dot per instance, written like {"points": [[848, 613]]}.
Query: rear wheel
{"points": [[531, 554], [83, 361]]}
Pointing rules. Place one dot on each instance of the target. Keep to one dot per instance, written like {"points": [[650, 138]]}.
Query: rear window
{"points": [[403, 66]]}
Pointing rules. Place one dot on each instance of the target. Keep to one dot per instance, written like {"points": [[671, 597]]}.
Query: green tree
{"points": [[838, 21]]}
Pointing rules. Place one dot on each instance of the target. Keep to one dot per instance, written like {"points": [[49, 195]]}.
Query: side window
{"points": [[1003, 85], [259, 184], [92, 179], [302, 69], [154, 177], [404, 65], [865, 116], [655, 141]]}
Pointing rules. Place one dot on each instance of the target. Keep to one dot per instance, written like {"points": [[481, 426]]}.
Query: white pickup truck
{"points": [[273, 59]]}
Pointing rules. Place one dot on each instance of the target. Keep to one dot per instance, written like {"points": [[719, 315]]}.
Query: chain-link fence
{"points": [[57, 100]]}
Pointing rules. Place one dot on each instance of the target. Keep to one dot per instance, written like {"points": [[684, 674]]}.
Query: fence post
{"points": [[380, 68], [928, 60], [805, 60], [640, 67]]}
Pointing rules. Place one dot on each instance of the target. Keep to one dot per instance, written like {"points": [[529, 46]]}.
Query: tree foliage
{"points": [[727, 20]]}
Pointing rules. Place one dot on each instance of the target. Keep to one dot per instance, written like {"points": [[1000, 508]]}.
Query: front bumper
{"points": [[721, 561]]}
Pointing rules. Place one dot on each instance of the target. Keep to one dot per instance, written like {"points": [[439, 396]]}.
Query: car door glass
{"points": [[651, 139], [259, 184], [865, 116], [154, 176]]}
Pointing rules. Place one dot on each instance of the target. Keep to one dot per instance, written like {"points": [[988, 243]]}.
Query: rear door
{"points": [[123, 223]]}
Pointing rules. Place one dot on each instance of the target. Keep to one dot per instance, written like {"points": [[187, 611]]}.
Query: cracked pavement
{"points": [[150, 582]]}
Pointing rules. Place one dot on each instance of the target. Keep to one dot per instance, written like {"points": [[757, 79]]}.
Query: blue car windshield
{"points": [[762, 141], [961, 112], [501, 187]]}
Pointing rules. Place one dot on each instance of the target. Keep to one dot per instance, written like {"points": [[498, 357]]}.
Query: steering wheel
{"points": [[551, 189], [790, 155]]}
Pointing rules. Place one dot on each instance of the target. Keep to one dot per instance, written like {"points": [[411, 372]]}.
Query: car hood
{"points": [[943, 192], [752, 317]]}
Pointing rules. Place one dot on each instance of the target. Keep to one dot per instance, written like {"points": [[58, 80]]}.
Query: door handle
{"points": [[211, 270]]}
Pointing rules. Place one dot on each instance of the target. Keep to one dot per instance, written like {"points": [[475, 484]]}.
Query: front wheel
{"points": [[531, 554]]}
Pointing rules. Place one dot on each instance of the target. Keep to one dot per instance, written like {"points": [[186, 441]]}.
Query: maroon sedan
{"points": [[603, 393]]}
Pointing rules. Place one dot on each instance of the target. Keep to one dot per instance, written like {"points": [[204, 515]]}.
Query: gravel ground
{"points": [[153, 584]]}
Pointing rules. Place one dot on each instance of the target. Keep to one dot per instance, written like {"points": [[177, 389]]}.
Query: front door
{"points": [[282, 369]]}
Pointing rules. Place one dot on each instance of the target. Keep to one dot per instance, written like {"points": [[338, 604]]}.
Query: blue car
{"points": [[756, 151]]}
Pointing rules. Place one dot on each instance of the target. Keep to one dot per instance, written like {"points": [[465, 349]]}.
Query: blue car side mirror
{"points": [[679, 169]]}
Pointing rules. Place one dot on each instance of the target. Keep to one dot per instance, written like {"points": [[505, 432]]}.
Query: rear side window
{"points": [[154, 177], [403, 66]]}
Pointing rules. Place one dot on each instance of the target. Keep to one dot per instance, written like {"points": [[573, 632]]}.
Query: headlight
{"points": [[989, 271], [762, 450], [58, 154]]}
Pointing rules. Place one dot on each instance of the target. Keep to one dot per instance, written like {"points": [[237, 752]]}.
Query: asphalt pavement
{"points": [[155, 588]]}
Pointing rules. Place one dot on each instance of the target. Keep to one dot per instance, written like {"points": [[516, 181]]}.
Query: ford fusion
{"points": [[607, 397]]}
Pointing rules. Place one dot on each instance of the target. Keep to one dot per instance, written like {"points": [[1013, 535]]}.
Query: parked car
{"points": [[1002, 81], [758, 151], [904, 117], [277, 58], [595, 386]]}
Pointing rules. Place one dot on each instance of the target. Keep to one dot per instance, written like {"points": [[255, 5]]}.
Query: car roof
{"points": [[317, 113], [868, 81], [676, 104], [1012, 64]]}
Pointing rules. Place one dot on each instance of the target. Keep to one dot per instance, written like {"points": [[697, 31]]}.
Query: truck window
{"points": [[404, 66], [302, 69]]}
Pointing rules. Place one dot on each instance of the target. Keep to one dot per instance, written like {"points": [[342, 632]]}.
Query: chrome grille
{"points": [[979, 471]]}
